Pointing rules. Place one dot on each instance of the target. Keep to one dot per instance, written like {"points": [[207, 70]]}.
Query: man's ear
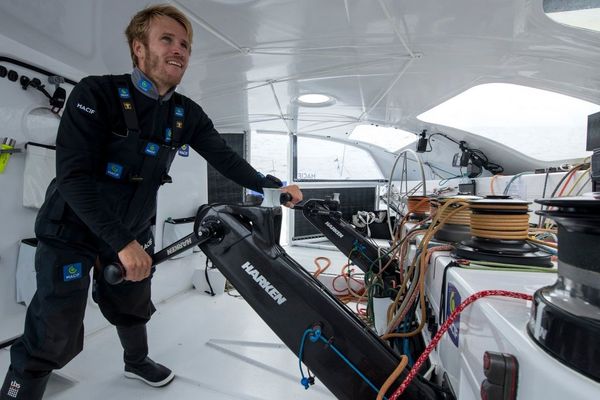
{"points": [[138, 48]]}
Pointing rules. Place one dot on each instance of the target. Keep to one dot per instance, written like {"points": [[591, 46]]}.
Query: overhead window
{"points": [[390, 139], [541, 124], [578, 13]]}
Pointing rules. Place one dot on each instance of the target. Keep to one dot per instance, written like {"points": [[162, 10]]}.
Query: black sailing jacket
{"points": [[99, 163]]}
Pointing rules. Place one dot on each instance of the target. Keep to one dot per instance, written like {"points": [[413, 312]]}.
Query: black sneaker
{"points": [[153, 374]]}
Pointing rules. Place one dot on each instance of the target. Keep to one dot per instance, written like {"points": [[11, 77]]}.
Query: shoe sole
{"points": [[164, 382]]}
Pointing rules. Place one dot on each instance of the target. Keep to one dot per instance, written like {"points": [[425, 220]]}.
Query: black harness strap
{"points": [[128, 108], [156, 156], [178, 114]]}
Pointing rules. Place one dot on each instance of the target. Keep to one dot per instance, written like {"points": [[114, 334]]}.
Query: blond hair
{"points": [[140, 25]]}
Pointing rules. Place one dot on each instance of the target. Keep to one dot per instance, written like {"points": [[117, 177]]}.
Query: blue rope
{"points": [[304, 381], [351, 365], [361, 248], [315, 335], [405, 343]]}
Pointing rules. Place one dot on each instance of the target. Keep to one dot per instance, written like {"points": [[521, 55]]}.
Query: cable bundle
{"points": [[418, 205], [462, 217], [456, 214], [501, 220], [500, 234]]}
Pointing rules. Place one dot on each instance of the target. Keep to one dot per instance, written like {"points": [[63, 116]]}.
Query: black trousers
{"points": [[53, 332]]}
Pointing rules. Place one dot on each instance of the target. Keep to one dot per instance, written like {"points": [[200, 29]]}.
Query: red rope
{"points": [[446, 325]]}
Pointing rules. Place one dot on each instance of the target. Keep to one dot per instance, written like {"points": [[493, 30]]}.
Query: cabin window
{"points": [[269, 153], [390, 139], [318, 160], [578, 13], [540, 124]]}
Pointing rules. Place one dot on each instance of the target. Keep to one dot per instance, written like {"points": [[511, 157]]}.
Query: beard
{"points": [[154, 68]]}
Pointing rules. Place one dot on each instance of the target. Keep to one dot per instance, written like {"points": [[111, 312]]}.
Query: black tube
{"points": [[34, 68]]}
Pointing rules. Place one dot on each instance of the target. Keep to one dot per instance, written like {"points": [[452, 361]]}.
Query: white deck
{"points": [[184, 334]]}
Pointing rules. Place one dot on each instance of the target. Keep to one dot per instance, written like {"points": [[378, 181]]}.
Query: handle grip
{"points": [[284, 198], [114, 273]]}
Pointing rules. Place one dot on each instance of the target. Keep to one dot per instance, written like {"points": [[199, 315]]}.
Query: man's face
{"points": [[165, 57]]}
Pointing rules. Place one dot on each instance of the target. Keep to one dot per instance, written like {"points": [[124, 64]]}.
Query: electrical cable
{"points": [[588, 180], [506, 189], [578, 180], [558, 185], [570, 176], [433, 168], [544, 195], [211, 292], [446, 325], [444, 181], [443, 135], [564, 177]]}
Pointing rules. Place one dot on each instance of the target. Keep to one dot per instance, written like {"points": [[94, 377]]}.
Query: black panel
{"points": [[593, 132], [351, 201], [221, 189]]}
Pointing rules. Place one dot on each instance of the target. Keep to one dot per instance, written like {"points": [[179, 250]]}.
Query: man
{"points": [[115, 144]]}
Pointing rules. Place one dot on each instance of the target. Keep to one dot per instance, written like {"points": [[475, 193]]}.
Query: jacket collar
{"points": [[143, 84]]}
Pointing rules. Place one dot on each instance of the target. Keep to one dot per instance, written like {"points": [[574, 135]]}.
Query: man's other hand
{"points": [[136, 261], [296, 194]]}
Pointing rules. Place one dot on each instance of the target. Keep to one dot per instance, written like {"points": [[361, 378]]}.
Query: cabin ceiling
{"points": [[385, 62]]}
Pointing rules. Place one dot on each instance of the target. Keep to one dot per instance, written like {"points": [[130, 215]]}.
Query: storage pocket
{"points": [[62, 271]]}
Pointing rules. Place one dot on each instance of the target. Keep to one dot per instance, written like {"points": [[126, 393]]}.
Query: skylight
{"points": [[541, 124], [315, 100], [390, 139], [577, 13]]}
